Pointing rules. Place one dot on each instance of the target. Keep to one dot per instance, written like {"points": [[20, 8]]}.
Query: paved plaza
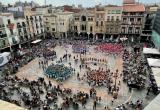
{"points": [[32, 71]]}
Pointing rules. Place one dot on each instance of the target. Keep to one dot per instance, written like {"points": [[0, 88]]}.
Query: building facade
{"points": [[84, 25], [156, 30], [35, 23], [22, 31], [148, 25], [113, 16], [100, 22], [9, 34], [58, 24], [132, 21]]}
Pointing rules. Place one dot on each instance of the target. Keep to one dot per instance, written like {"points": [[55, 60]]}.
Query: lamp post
{"points": [[115, 76], [115, 92]]}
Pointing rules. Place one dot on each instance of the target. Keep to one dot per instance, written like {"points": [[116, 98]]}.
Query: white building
{"points": [[58, 24], [34, 22], [22, 30], [10, 29]]}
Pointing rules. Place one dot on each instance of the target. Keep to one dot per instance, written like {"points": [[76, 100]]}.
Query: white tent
{"points": [[8, 106], [36, 41], [154, 104], [151, 51], [4, 58], [153, 62], [156, 73]]}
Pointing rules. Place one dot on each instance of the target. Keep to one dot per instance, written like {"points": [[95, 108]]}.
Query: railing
{"points": [[3, 35], [2, 26], [10, 26]]}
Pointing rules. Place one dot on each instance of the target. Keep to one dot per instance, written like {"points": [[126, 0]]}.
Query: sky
{"points": [[85, 3]]}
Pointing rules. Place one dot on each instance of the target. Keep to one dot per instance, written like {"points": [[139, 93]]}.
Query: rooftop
{"points": [[134, 8]]}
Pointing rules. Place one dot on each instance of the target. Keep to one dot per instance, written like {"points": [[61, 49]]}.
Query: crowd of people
{"points": [[58, 72], [80, 47], [43, 95], [134, 71], [110, 48]]}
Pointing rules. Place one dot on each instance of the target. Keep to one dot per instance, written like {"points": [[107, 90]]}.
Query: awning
{"points": [[36, 41], [156, 73], [154, 104], [9, 106], [151, 51], [4, 58], [153, 62]]}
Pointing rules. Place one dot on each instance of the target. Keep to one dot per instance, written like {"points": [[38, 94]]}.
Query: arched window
{"points": [[83, 18]]}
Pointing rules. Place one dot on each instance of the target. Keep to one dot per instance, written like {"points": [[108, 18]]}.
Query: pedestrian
{"points": [[94, 105]]}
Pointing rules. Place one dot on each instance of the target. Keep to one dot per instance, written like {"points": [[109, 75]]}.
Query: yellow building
{"points": [[35, 23], [84, 23], [58, 24]]}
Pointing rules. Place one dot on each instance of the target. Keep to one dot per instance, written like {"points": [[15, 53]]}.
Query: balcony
{"points": [[4, 43], [3, 35], [31, 18], [36, 19], [10, 26], [19, 26], [2, 26], [37, 26], [14, 41], [40, 19], [23, 24]]}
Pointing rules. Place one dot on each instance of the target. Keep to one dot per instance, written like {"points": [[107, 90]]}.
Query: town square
{"points": [[67, 58]]}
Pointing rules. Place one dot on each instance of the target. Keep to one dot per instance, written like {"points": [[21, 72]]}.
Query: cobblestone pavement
{"points": [[32, 71]]}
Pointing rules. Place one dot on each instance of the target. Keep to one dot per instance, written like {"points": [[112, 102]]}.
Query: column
{"points": [[96, 36], [66, 35], [103, 37]]}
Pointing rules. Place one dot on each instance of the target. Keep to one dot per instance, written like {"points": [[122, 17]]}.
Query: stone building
{"points": [[22, 30], [132, 21], [113, 16], [84, 25], [8, 32], [34, 22], [100, 22], [58, 24]]}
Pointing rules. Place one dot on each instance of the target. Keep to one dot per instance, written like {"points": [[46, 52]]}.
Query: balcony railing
{"points": [[4, 43], [2, 26], [3, 35], [10, 26], [19, 26]]}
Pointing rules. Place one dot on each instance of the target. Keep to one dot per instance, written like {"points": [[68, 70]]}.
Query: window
{"points": [[37, 32], [75, 28], [131, 19], [101, 23], [27, 17], [130, 30], [11, 31], [109, 11], [124, 19], [117, 19], [108, 18], [77, 19], [91, 28], [139, 19], [9, 21], [112, 18], [53, 29], [83, 27], [97, 23], [83, 18]]}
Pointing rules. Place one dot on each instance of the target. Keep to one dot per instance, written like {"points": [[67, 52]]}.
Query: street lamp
{"points": [[115, 76], [115, 92]]}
